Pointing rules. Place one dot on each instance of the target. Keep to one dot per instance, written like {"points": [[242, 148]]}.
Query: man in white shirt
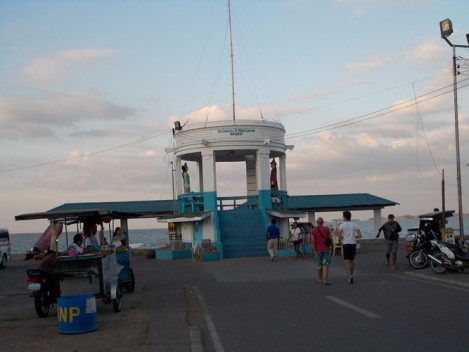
{"points": [[349, 232]]}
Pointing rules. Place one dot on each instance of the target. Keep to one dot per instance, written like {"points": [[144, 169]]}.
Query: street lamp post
{"points": [[446, 29]]}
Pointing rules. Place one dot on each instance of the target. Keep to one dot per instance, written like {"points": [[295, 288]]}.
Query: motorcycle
{"points": [[44, 287], [449, 256], [423, 246]]}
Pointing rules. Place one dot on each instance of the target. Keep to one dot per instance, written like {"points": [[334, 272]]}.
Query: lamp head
{"points": [[446, 28]]}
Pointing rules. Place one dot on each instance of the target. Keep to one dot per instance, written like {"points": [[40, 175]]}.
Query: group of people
{"points": [[322, 246], [91, 243]]}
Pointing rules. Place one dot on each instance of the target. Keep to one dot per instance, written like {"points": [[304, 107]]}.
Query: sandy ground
{"points": [[128, 330]]}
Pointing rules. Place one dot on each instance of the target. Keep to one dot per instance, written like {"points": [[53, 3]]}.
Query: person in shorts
{"points": [[391, 231], [322, 251], [348, 233]]}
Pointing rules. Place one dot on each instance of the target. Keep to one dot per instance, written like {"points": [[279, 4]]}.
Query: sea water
{"points": [[156, 238], [147, 238]]}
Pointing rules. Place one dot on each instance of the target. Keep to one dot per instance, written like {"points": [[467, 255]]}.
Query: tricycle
{"points": [[101, 269]]}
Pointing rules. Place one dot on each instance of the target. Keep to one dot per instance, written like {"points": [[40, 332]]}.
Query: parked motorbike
{"points": [[45, 288], [423, 245], [449, 256]]}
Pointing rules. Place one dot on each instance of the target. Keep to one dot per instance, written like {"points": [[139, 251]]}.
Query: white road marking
{"points": [[211, 326], [353, 307]]}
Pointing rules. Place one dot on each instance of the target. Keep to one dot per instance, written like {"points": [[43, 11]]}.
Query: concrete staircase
{"points": [[243, 233]]}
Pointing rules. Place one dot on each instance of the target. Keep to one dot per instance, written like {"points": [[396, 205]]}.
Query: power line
{"points": [[371, 115], [419, 117], [82, 155]]}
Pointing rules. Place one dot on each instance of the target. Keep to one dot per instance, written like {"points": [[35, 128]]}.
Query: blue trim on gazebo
{"points": [[316, 203]]}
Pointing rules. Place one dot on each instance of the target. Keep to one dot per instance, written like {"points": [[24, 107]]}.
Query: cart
{"points": [[96, 274], [103, 272]]}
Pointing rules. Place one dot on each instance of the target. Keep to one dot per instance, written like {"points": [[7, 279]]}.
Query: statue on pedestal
{"points": [[186, 180], [273, 175]]}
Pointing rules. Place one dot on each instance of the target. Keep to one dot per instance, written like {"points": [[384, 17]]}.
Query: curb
{"points": [[436, 279]]}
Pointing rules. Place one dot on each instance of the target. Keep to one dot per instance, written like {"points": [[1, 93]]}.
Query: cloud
{"points": [[85, 173], [426, 51], [47, 72], [22, 116], [361, 5], [41, 112], [346, 163], [224, 113], [374, 62]]}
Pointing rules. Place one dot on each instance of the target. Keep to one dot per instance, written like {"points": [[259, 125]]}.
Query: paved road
{"points": [[255, 305]]}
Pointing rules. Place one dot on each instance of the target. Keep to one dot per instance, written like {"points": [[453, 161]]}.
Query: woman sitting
{"points": [[77, 244], [119, 238]]}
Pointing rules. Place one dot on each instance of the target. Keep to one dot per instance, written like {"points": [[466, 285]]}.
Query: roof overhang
{"points": [[437, 214], [286, 213], [185, 217], [78, 214]]}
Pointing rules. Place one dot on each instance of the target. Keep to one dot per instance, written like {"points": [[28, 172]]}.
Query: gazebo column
{"points": [[377, 219], [208, 184], [209, 180], [263, 178], [201, 176], [251, 181], [177, 176], [312, 217], [283, 172]]}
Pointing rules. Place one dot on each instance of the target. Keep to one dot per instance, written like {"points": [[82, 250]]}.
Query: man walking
{"points": [[321, 243], [391, 231], [349, 232], [272, 235]]}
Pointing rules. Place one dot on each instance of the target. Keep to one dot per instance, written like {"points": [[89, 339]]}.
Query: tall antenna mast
{"points": [[231, 60]]}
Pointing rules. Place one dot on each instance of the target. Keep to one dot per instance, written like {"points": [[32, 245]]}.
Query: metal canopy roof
{"points": [[75, 214], [336, 202], [438, 214], [159, 208], [145, 208]]}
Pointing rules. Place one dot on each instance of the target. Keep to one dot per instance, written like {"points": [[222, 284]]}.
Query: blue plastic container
{"points": [[124, 260], [76, 314]]}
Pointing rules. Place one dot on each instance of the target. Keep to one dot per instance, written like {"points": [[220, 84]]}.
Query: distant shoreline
{"points": [[414, 217]]}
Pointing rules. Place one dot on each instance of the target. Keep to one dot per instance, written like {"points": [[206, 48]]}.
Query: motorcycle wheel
{"points": [[418, 259], [439, 268], [117, 303], [41, 303], [3, 263]]}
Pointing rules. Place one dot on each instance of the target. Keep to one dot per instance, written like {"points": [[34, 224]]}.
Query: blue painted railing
{"points": [[194, 201]]}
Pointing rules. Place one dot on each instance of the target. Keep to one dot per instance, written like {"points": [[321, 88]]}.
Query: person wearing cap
{"points": [[391, 231]]}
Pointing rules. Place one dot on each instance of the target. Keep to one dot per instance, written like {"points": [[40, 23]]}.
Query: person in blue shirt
{"points": [[273, 235]]}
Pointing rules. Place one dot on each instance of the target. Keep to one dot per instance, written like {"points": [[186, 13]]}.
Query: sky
{"points": [[89, 92]]}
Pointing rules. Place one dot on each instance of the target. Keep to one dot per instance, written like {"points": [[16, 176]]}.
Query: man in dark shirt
{"points": [[391, 231]]}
